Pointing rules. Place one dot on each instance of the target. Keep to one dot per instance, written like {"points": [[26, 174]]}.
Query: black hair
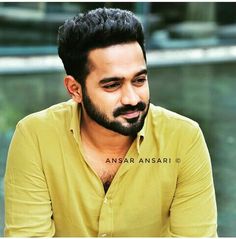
{"points": [[97, 28]]}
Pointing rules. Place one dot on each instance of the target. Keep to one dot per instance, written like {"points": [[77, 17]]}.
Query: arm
{"points": [[193, 212], [28, 211]]}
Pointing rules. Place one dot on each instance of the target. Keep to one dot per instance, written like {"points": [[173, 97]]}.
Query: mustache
{"points": [[124, 109]]}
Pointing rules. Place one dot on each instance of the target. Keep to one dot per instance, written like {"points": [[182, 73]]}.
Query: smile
{"points": [[131, 114]]}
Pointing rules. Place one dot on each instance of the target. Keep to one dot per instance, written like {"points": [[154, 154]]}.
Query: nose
{"points": [[129, 96]]}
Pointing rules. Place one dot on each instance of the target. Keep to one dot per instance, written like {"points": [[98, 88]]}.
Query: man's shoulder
{"points": [[165, 118], [55, 114]]}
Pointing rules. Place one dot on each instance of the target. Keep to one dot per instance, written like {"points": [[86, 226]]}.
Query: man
{"points": [[107, 162]]}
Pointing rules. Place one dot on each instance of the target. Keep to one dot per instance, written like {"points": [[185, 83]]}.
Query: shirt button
{"points": [[105, 200], [103, 235]]}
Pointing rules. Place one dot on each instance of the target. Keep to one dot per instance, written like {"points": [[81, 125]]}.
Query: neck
{"points": [[103, 139]]}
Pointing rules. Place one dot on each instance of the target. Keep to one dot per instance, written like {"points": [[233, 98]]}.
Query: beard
{"points": [[134, 124]]}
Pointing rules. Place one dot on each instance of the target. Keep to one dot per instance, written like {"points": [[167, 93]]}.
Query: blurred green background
{"points": [[192, 68]]}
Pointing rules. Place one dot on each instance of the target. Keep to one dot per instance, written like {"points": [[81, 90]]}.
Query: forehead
{"points": [[117, 59]]}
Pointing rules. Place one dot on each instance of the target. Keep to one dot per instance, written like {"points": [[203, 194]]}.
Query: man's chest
{"points": [[102, 166]]}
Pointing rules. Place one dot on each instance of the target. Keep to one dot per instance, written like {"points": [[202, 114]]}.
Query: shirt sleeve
{"points": [[28, 211], [193, 212]]}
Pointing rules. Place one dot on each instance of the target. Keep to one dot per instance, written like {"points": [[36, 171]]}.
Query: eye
{"points": [[139, 81], [111, 86]]}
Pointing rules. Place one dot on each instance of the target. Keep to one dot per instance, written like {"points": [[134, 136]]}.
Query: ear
{"points": [[74, 88]]}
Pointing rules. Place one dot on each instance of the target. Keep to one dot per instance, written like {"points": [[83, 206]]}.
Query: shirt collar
{"points": [[75, 121], [141, 134]]}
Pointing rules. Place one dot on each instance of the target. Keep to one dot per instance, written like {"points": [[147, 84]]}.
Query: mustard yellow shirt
{"points": [[164, 186]]}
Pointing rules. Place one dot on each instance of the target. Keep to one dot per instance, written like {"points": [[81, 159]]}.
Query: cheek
{"points": [[107, 102], [144, 93]]}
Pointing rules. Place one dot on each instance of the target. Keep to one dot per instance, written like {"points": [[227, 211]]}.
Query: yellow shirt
{"points": [[164, 187]]}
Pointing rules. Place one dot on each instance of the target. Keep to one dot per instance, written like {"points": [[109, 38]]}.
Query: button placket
{"points": [[105, 219]]}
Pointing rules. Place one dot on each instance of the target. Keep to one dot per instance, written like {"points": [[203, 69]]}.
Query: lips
{"points": [[131, 114]]}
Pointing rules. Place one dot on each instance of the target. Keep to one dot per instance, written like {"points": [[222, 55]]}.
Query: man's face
{"points": [[116, 94]]}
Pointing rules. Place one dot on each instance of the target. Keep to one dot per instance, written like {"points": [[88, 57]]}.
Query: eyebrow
{"points": [[116, 78]]}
